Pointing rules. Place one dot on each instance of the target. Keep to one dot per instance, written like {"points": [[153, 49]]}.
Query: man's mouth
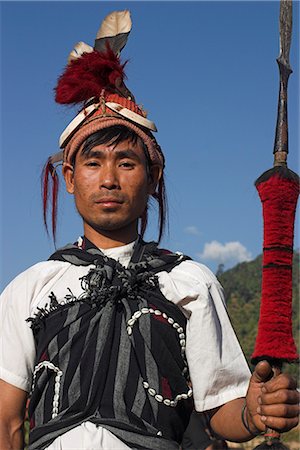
{"points": [[109, 201]]}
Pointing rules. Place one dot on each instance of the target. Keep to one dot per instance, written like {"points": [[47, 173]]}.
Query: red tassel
{"points": [[50, 170], [274, 340]]}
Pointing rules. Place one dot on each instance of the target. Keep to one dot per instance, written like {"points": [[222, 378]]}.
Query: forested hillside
{"points": [[242, 285]]}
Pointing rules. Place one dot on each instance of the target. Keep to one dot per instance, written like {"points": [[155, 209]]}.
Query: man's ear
{"points": [[155, 172], [68, 173]]}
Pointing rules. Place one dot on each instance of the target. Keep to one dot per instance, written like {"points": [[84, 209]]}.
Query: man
{"points": [[114, 339]]}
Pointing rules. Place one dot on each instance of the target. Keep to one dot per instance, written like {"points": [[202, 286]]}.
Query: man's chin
{"points": [[107, 226]]}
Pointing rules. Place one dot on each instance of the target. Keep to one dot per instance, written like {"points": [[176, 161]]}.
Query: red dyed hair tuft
{"points": [[88, 75]]}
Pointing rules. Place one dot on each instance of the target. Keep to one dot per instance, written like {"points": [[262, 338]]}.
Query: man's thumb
{"points": [[262, 372]]}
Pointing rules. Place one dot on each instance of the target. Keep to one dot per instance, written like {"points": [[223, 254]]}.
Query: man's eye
{"points": [[92, 163], [127, 164]]}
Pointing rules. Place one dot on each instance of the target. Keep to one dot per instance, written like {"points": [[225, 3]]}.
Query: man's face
{"points": [[111, 185]]}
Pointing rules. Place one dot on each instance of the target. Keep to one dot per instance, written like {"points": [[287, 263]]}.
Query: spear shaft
{"points": [[278, 189]]}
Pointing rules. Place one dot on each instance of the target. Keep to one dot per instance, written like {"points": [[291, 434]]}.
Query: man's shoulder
{"points": [[191, 269], [190, 280], [37, 274], [42, 268], [197, 271]]}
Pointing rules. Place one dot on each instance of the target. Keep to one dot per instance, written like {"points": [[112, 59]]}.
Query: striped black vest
{"points": [[114, 356]]}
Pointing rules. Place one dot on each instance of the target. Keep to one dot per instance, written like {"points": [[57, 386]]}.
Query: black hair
{"points": [[113, 135]]}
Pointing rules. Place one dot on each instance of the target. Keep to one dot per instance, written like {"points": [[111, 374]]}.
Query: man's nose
{"points": [[109, 178]]}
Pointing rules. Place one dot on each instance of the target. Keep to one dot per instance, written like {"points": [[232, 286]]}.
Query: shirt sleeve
{"points": [[218, 369], [17, 347], [16, 339]]}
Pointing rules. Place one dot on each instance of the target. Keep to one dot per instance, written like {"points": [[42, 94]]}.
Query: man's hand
{"points": [[272, 402]]}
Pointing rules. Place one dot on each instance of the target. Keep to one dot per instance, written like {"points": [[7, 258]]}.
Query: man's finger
{"points": [[263, 372], [282, 381], [283, 411], [280, 424], [283, 396]]}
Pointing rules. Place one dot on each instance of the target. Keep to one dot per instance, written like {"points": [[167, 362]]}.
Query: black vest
{"points": [[114, 356]]}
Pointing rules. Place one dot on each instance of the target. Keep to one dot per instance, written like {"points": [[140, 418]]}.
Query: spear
{"points": [[278, 189]]}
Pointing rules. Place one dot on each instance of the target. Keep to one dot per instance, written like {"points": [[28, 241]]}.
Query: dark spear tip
{"points": [[281, 135], [285, 31]]}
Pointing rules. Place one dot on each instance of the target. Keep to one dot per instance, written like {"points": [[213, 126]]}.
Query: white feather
{"points": [[115, 23], [78, 51]]}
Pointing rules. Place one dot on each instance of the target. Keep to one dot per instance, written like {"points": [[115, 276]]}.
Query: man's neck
{"points": [[110, 239]]}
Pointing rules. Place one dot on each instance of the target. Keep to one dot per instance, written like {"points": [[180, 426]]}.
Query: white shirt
{"points": [[218, 369]]}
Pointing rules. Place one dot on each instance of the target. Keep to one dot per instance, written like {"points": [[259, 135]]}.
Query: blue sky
{"points": [[206, 73]]}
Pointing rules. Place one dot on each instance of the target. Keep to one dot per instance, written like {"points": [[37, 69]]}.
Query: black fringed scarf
{"points": [[114, 356]]}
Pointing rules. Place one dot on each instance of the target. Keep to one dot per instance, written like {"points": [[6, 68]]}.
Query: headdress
{"points": [[94, 78]]}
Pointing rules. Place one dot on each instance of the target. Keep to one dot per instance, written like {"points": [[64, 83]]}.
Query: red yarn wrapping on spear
{"points": [[279, 197]]}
